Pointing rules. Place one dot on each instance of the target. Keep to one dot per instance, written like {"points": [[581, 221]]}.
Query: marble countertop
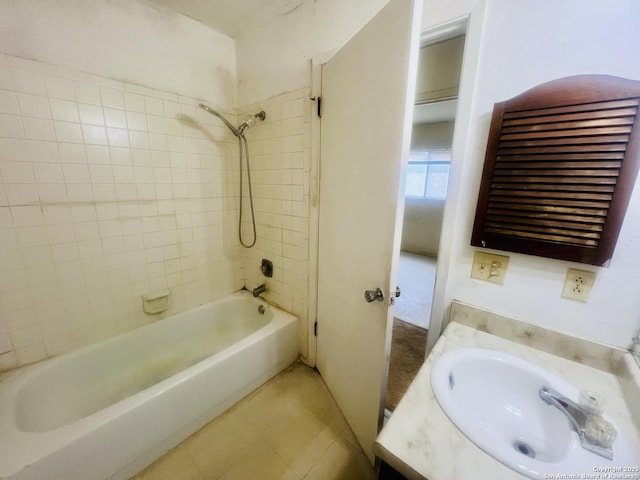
{"points": [[421, 442]]}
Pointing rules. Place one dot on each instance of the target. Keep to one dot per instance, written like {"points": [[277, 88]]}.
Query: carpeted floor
{"points": [[408, 346]]}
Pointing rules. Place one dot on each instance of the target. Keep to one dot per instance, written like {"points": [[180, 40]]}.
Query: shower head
{"points": [[210, 110], [249, 121]]}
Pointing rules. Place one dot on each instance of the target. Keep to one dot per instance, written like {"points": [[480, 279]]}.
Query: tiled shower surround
{"points": [[280, 158], [111, 191]]}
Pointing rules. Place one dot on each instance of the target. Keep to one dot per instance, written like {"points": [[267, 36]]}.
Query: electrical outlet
{"points": [[489, 267], [578, 284]]}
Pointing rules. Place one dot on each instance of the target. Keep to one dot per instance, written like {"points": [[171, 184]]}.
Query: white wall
{"points": [[422, 222], [274, 51], [128, 40], [421, 226], [516, 47]]}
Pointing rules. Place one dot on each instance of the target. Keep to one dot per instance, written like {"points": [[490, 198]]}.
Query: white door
{"points": [[367, 101]]}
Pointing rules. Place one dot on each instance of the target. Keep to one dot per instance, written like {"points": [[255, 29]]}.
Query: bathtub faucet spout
{"points": [[259, 290]]}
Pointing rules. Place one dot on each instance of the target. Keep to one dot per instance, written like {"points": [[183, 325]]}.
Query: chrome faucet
{"points": [[578, 417], [259, 290]]}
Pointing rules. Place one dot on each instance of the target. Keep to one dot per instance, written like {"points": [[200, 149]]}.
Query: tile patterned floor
{"points": [[288, 429]]}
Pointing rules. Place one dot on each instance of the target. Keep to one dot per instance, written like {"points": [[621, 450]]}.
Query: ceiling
{"points": [[227, 16]]}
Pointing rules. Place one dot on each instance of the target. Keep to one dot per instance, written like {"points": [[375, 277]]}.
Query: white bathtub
{"points": [[109, 410]]}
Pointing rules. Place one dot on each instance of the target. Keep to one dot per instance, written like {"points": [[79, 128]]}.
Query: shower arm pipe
{"points": [[261, 115], [210, 110]]}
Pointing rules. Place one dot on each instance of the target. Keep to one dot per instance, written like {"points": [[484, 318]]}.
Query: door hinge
{"points": [[315, 329], [318, 101]]}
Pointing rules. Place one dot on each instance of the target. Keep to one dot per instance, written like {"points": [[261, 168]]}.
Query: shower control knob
{"points": [[371, 295]]}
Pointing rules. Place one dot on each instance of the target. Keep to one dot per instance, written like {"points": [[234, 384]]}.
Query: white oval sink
{"points": [[493, 398]]}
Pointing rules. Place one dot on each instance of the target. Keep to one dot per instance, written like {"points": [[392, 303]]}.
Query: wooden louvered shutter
{"points": [[561, 163]]}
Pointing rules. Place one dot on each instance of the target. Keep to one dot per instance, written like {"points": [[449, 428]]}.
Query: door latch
{"points": [[393, 294]]}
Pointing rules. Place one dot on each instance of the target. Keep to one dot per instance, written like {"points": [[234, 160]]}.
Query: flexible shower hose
{"points": [[241, 139]]}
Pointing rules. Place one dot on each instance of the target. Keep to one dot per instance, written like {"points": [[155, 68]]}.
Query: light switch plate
{"points": [[578, 284], [489, 267]]}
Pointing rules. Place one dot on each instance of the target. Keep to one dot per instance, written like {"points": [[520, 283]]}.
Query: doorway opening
{"points": [[425, 193]]}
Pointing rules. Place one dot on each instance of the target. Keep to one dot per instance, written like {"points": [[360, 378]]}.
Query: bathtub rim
{"points": [[18, 448]]}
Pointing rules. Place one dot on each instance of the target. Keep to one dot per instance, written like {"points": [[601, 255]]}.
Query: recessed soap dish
{"points": [[156, 302]]}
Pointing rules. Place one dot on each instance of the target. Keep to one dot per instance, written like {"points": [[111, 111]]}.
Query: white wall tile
{"points": [[154, 106], [16, 172], [97, 155], [34, 105], [48, 173], [139, 140], [155, 124], [6, 79], [30, 354], [14, 150], [72, 153], [65, 252], [5, 343], [158, 141], [43, 151], [38, 129], [134, 102], [105, 189], [60, 88], [115, 117], [80, 192], [76, 173], [21, 194], [52, 193], [103, 192], [66, 110], [118, 137], [11, 126], [36, 256], [87, 93], [94, 135], [91, 114], [68, 132], [29, 81], [101, 173], [136, 121], [9, 102], [112, 98]]}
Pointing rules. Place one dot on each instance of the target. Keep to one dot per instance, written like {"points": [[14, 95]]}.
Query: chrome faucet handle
{"points": [[578, 417]]}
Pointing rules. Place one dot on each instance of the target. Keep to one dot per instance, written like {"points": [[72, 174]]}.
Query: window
{"points": [[428, 174]]}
